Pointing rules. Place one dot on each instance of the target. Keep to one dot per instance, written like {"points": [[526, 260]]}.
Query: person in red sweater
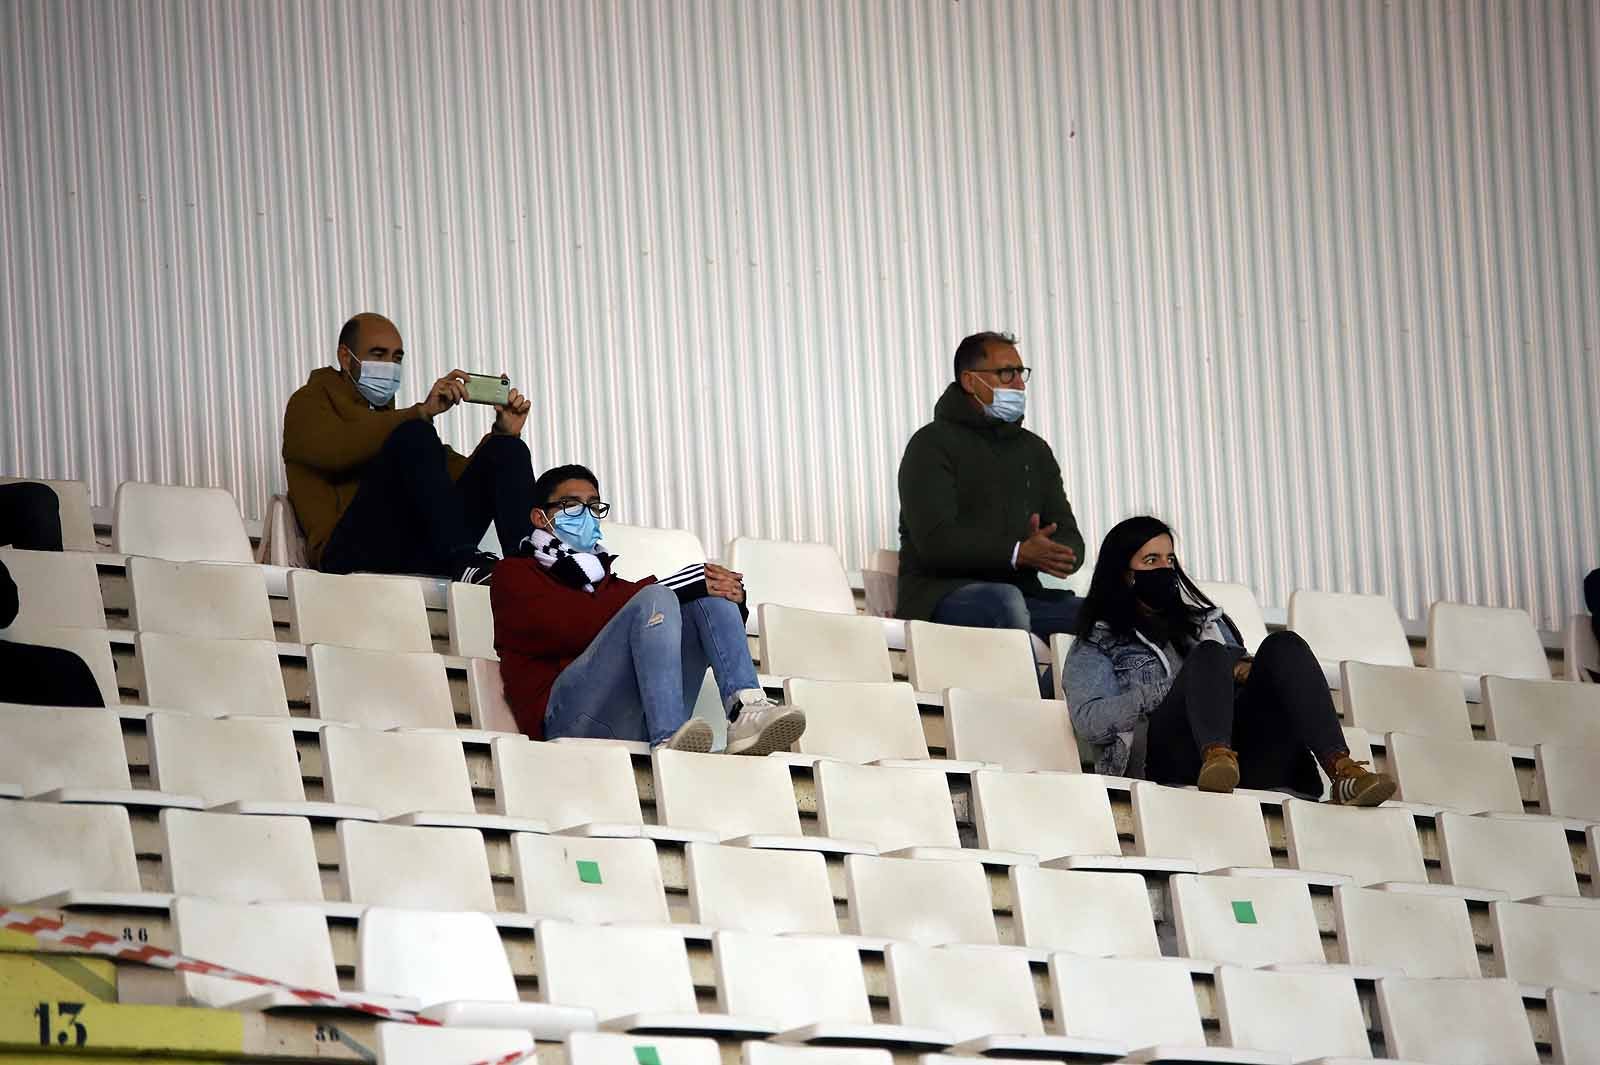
{"points": [[584, 652]]}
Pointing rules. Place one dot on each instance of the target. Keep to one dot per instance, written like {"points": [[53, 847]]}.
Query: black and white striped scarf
{"points": [[574, 568]]}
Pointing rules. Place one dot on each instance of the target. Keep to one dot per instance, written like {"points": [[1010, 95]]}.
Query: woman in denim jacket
{"points": [[1159, 682]]}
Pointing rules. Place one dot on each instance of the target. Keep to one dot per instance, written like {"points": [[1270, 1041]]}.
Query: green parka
{"points": [[968, 485]]}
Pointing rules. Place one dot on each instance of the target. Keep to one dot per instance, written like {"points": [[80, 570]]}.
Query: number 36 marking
{"points": [[71, 1030]]}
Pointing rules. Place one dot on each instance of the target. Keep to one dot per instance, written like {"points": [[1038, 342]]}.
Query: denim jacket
{"points": [[1112, 683]]}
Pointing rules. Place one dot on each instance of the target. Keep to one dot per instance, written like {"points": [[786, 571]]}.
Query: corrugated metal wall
{"points": [[1319, 281]]}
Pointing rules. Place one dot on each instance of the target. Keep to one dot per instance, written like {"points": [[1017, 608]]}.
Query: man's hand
{"points": [[446, 392], [1040, 552], [1241, 670], [510, 416], [724, 583]]}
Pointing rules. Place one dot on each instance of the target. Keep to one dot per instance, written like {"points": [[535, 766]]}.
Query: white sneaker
{"points": [[693, 735], [763, 726]]}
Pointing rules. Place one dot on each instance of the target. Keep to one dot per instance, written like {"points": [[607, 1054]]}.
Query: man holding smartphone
{"points": [[374, 487]]}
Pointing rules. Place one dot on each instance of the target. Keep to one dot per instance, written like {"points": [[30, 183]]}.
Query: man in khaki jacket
{"points": [[374, 487]]}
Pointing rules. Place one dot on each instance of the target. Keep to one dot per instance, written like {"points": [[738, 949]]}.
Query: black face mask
{"points": [[1156, 588]]}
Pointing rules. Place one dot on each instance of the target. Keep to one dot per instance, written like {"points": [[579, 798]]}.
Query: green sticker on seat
{"points": [[589, 873], [1244, 911], [643, 1055]]}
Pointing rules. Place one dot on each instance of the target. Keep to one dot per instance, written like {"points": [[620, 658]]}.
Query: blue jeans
{"points": [[640, 677], [997, 605]]}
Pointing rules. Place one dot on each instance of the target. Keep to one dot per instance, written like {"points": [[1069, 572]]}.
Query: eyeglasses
{"points": [[1008, 374], [573, 507]]}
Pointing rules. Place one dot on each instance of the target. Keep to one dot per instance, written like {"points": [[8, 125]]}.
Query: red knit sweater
{"points": [[540, 626]]}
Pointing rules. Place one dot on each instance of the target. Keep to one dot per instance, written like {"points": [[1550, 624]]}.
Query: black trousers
{"points": [[409, 517], [1275, 721], [45, 676], [1591, 599], [30, 516]]}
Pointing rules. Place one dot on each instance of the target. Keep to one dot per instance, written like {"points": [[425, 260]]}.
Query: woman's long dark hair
{"points": [[1111, 597]]}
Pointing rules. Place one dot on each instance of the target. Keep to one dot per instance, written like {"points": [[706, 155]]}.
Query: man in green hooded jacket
{"points": [[983, 511]]}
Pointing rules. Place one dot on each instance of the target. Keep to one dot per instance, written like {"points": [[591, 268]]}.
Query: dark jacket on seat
{"points": [[968, 484]]}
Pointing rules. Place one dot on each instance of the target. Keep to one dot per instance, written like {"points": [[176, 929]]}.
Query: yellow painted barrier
{"points": [[42, 977], [106, 1028]]}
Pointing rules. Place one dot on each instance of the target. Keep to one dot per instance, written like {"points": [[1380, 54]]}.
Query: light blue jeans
{"points": [[640, 677]]}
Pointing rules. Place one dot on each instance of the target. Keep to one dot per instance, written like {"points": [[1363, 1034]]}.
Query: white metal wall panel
{"points": [[1317, 281]]}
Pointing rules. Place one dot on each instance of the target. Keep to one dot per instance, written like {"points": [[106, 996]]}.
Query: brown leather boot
{"points": [[1356, 785], [1221, 769]]}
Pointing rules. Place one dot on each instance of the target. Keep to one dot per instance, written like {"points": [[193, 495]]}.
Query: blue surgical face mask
{"points": [[1008, 404], [378, 381], [580, 531]]}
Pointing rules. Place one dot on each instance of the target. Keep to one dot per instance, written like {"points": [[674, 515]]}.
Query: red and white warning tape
{"points": [[89, 941]]}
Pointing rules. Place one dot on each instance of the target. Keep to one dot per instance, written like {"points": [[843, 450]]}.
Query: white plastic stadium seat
{"points": [[1478, 640], [379, 689], [281, 942], [858, 722], [771, 892], [203, 599], [1050, 815], [415, 1044], [1245, 920], [1463, 1022], [589, 880], [1092, 914], [1582, 652], [1306, 1015], [821, 645], [808, 576], [1021, 735], [748, 800], [1345, 627], [577, 788], [198, 675], [811, 987], [66, 855], [1567, 780], [455, 965], [898, 811], [73, 755], [1239, 602], [1060, 646], [768, 1053], [283, 541], [1529, 712], [1420, 935], [645, 552], [245, 766], [954, 656], [982, 999], [486, 697], [91, 645], [414, 868], [1471, 776], [413, 778], [242, 858], [56, 588], [1423, 702], [1574, 1025], [1371, 846], [471, 621], [358, 610], [1547, 946], [77, 516], [179, 523], [1144, 1003], [619, 1048], [951, 900], [1525, 859], [1214, 831], [632, 978]]}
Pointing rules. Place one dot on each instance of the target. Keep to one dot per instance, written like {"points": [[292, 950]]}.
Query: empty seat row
{"points": [[812, 991], [421, 778]]}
